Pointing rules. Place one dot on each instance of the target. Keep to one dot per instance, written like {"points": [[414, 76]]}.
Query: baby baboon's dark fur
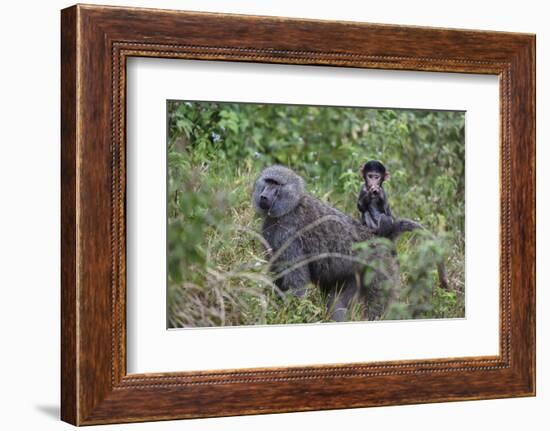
{"points": [[374, 207], [302, 229], [376, 215]]}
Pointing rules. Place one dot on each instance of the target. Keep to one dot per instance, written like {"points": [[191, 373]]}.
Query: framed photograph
{"points": [[264, 214]]}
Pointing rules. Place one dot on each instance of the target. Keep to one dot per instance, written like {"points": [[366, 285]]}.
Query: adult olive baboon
{"points": [[313, 243]]}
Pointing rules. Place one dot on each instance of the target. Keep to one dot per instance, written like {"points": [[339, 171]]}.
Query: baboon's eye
{"points": [[271, 182]]}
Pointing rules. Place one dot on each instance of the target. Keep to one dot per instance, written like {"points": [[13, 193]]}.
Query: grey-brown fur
{"points": [[298, 226]]}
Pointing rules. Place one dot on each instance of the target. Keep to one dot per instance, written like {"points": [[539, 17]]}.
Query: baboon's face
{"points": [[374, 181], [374, 173], [373, 186], [268, 194], [277, 192]]}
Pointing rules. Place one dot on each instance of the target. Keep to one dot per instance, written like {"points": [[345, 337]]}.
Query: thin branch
{"points": [[258, 236]]}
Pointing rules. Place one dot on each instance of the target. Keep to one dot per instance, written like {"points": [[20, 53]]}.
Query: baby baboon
{"points": [[313, 243], [373, 204]]}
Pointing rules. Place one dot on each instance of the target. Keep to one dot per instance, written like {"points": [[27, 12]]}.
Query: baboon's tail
{"points": [[442, 273], [401, 225], [406, 225]]}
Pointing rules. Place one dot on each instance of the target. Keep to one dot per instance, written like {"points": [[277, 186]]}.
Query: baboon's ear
{"points": [[387, 175], [362, 171]]}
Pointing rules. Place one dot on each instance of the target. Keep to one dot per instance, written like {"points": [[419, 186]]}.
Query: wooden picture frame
{"points": [[95, 43]]}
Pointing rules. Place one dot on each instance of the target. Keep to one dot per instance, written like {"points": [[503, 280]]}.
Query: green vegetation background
{"points": [[217, 268]]}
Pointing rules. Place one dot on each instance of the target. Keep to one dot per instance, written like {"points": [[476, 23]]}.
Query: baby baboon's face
{"points": [[374, 181]]}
